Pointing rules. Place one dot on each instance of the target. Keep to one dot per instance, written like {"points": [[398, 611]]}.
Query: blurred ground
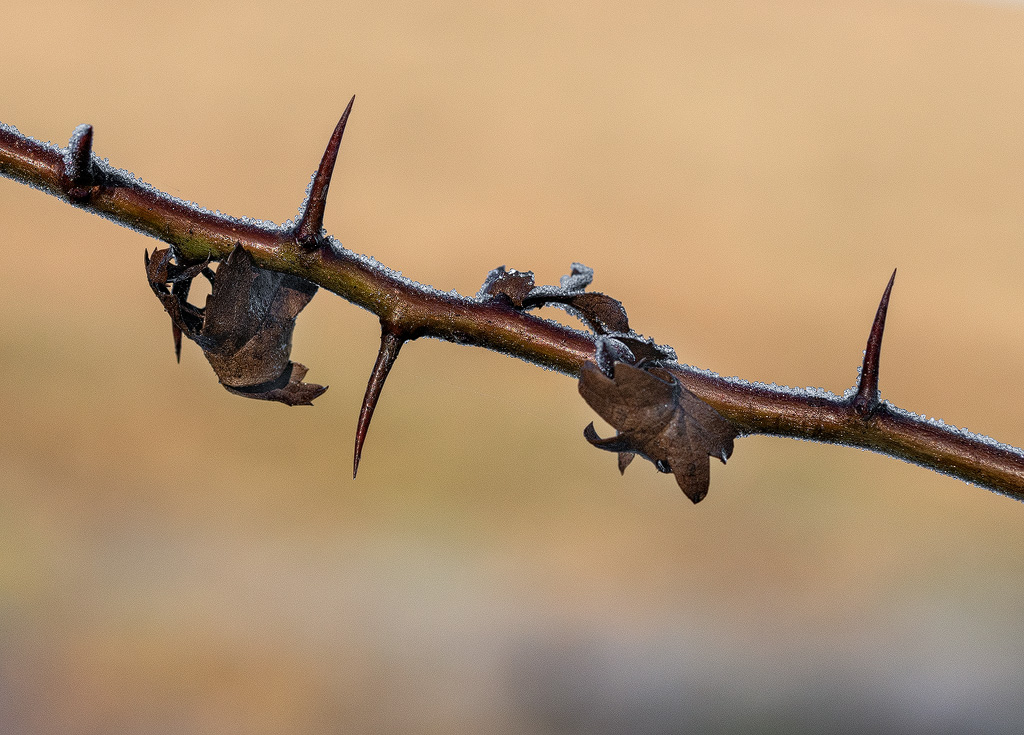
{"points": [[743, 175]]}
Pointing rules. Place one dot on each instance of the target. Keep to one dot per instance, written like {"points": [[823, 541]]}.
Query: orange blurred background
{"points": [[742, 175]]}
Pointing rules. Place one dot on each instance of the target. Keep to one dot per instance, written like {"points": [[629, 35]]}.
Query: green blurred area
{"points": [[742, 175]]}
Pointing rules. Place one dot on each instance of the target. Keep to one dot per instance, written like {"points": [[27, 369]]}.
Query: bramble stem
{"points": [[413, 310]]}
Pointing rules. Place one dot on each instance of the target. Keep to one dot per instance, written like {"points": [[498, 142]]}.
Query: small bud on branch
{"points": [[78, 171]]}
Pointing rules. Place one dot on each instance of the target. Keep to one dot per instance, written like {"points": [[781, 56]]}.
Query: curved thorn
{"points": [[866, 399], [307, 231], [390, 344], [78, 162]]}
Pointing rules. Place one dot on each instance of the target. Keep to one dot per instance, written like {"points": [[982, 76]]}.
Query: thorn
{"points": [[307, 231], [866, 399], [78, 163], [390, 344], [177, 342]]}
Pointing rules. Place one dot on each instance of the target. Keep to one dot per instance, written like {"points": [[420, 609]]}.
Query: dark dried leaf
{"points": [[512, 285], [161, 271], [660, 420], [288, 388], [599, 311], [568, 286], [245, 330], [604, 314], [646, 350], [608, 351]]}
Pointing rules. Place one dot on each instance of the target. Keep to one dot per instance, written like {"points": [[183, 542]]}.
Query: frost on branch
{"points": [[245, 330], [658, 419], [493, 319]]}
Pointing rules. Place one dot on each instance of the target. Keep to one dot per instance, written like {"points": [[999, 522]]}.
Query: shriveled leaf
{"points": [[604, 314], [250, 316], [578, 279], [161, 272], [288, 388], [660, 420], [610, 350], [512, 285], [599, 311], [646, 350], [573, 284], [246, 328]]}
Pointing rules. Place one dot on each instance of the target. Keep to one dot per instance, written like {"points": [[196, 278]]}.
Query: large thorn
{"points": [[866, 400], [390, 344], [307, 232], [78, 163]]}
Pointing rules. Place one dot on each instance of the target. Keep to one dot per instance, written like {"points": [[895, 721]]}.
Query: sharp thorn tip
{"points": [[390, 344], [866, 399], [307, 231]]}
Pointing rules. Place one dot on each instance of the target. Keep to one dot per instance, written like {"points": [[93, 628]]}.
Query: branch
{"points": [[409, 310]]}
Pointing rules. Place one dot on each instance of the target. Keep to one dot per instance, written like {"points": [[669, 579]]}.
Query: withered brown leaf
{"points": [[658, 419], [512, 285], [646, 350], [600, 312], [604, 314], [246, 328]]}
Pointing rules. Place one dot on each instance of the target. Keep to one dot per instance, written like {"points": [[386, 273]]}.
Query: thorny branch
{"points": [[497, 319]]}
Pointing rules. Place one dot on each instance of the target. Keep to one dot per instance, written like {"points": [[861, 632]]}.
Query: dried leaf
{"points": [[578, 279], [288, 388], [512, 285], [161, 271], [599, 311], [604, 314], [245, 330], [646, 350], [658, 419], [610, 350], [568, 286]]}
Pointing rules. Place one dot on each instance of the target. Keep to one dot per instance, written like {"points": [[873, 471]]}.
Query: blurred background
{"points": [[744, 176]]}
